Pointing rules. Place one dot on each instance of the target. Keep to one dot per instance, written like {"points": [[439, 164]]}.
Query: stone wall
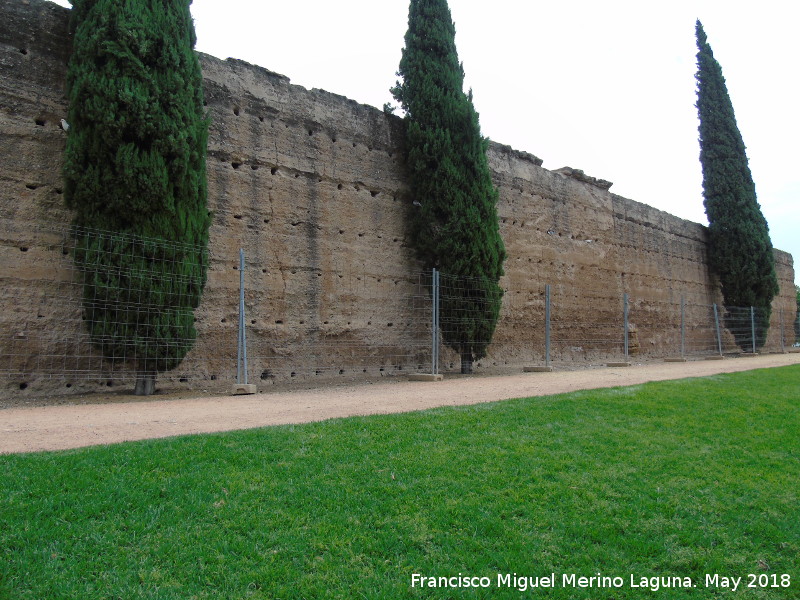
{"points": [[312, 186]]}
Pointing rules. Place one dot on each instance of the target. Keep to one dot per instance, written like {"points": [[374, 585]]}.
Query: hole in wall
{"points": [[23, 249], [41, 122], [237, 216], [23, 386], [261, 119], [338, 187], [23, 51], [109, 383], [273, 170], [69, 385], [254, 167], [59, 191], [223, 320], [373, 194], [310, 132], [236, 110], [184, 380], [236, 165], [296, 175]]}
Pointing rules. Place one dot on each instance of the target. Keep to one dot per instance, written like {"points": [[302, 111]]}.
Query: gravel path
{"points": [[28, 429]]}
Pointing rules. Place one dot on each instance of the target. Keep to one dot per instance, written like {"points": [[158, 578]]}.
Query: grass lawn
{"points": [[676, 479]]}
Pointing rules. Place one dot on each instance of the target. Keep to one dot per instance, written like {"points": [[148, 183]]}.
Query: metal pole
{"points": [[547, 325], [435, 322], [241, 359], [683, 326], [625, 312], [753, 326], [716, 325], [438, 316], [783, 337]]}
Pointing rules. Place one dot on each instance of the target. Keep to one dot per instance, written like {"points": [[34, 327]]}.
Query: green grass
{"points": [[682, 478]]}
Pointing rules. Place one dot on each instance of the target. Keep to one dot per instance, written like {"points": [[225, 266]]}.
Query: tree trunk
{"points": [[466, 363], [145, 383]]}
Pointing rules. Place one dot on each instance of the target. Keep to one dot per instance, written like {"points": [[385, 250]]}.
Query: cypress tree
{"points": [[453, 224], [739, 247], [135, 176]]}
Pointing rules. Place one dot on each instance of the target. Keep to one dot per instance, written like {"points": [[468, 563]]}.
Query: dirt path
{"points": [[62, 427]]}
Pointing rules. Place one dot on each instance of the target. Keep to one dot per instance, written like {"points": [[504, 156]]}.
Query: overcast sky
{"points": [[607, 87]]}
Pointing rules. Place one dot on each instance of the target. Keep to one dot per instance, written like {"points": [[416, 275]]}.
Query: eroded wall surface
{"points": [[311, 185]]}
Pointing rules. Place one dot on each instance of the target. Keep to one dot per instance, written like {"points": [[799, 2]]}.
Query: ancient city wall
{"points": [[311, 185]]}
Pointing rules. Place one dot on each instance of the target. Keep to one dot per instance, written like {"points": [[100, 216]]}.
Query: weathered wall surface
{"points": [[311, 185]]}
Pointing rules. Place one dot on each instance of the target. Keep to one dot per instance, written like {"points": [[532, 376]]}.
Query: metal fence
{"points": [[268, 324]]}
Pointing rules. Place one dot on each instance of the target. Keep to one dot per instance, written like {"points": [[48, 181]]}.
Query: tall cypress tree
{"points": [[135, 170], [454, 224], [739, 246]]}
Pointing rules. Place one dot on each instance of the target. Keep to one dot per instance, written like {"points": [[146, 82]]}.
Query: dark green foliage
{"points": [[135, 168], [740, 250], [455, 227]]}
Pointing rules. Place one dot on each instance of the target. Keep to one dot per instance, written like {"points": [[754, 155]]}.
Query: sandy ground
{"points": [[29, 429]]}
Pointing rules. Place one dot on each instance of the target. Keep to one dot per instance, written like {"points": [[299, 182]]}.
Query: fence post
{"points": [[783, 337], [753, 327], [241, 357], [683, 326], [547, 325], [716, 326], [435, 323], [625, 313]]}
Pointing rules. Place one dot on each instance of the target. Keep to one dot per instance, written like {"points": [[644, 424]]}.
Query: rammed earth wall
{"points": [[312, 186]]}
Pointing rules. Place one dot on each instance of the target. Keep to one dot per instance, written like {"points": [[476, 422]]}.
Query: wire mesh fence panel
{"points": [[469, 311], [654, 328], [89, 304], [701, 332], [582, 334], [332, 324]]}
